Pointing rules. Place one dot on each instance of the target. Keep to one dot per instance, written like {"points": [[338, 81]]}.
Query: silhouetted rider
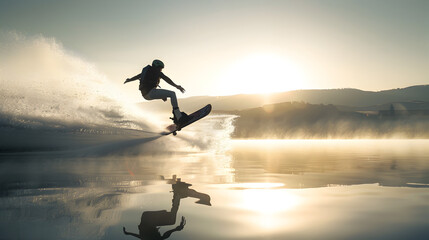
{"points": [[149, 81]]}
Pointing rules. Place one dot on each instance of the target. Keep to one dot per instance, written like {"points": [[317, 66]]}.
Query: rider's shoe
{"points": [[179, 119]]}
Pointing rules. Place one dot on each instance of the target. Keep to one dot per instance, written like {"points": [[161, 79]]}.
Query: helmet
{"points": [[157, 63]]}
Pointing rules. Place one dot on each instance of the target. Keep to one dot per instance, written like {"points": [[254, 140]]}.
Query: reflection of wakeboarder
{"points": [[152, 220]]}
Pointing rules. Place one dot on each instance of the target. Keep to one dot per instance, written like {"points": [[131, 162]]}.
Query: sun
{"points": [[262, 74]]}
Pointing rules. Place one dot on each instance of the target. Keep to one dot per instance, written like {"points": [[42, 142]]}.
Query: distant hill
{"points": [[354, 98], [398, 106]]}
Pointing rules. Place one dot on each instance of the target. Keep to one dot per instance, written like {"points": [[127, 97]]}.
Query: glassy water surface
{"points": [[309, 189]]}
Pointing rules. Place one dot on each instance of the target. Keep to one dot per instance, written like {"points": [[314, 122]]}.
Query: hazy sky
{"points": [[229, 47]]}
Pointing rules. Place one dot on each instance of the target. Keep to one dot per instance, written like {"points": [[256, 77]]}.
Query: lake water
{"points": [[250, 189]]}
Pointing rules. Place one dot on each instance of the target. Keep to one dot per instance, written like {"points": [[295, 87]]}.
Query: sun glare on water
{"points": [[262, 74], [267, 206], [264, 205], [268, 201]]}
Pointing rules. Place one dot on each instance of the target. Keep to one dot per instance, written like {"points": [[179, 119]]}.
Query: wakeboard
{"points": [[193, 117]]}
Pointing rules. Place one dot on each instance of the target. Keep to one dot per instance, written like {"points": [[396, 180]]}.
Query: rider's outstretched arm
{"points": [[133, 78], [130, 233], [178, 228], [168, 233], [169, 81]]}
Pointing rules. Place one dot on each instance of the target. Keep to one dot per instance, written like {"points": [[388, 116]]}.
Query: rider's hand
{"points": [[181, 88], [164, 99], [127, 80]]}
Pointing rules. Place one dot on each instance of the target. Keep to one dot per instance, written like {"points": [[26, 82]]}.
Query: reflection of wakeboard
{"points": [[193, 117]]}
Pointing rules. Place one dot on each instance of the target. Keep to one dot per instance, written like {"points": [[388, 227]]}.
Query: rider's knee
{"points": [[172, 94]]}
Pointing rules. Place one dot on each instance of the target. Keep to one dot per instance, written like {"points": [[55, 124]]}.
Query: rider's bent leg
{"points": [[162, 94]]}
